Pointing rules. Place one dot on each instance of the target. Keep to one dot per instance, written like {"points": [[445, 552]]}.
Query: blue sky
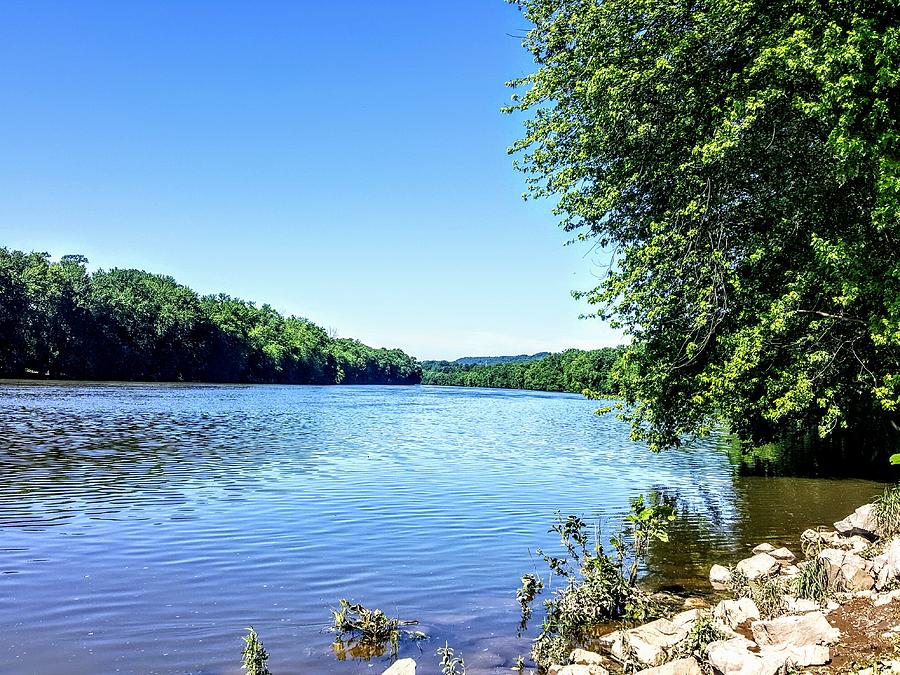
{"points": [[343, 161]]}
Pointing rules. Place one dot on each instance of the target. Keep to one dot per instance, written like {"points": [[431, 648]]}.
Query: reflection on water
{"points": [[142, 527]]}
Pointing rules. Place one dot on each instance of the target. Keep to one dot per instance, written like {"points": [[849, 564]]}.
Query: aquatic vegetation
{"points": [[598, 587], [255, 654], [450, 663], [370, 629]]}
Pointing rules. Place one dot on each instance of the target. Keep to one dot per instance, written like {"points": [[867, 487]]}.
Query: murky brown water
{"points": [[142, 527]]}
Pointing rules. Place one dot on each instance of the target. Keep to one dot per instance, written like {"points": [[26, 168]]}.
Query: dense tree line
{"points": [[738, 159], [572, 370], [59, 320]]}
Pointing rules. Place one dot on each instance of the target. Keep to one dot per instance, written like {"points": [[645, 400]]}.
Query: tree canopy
{"points": [[58, 320], [738, 162]]}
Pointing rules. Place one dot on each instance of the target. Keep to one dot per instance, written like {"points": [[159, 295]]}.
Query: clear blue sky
{"points": [[343, 161]]}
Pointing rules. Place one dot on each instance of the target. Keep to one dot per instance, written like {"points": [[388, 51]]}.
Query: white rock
{"points": [[887, 598], [583, 657], [686, 620], [861, 522], [888, 564], [782, 555], [763, 548], [733, 613], [576, 669], [719, 577], [790, 570], [402, 667], [799, 657], [733, 656], [760, 565], [688, 666], [801, 605], [847, 571], [649, 643], [799, 630]]}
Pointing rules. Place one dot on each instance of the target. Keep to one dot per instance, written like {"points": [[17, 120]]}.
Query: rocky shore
{"points": [[833, 608]]}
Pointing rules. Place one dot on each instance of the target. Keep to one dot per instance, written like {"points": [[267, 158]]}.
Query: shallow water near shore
{"points": [[143, 527]]}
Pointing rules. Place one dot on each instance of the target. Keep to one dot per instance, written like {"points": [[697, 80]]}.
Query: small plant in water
{"points": [[598, 587], [450, 663], [370, 629], [255, 655]]}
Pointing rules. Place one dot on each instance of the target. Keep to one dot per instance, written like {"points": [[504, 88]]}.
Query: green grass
{"points": [[812, 582], [887, 512]]}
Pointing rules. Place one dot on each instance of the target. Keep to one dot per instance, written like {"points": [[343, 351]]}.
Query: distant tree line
{"points": [[573, 370], [59, 320], [492, 360]]}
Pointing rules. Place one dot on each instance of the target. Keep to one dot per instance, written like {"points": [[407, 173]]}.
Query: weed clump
{"points": [[702, 634], [767, 593], [812, 582], [369, 630], [255, 655]]}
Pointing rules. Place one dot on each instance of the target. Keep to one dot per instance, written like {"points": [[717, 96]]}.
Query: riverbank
{"points": [[837, 610]]}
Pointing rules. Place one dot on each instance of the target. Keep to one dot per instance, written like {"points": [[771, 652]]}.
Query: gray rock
{"points": [[583, 657], [719, 577], [847, 571], [763, 548], [760, 565], [799, 630], [688, 666], [782, 555], [861, 522], [402, 667], [733, 613]]}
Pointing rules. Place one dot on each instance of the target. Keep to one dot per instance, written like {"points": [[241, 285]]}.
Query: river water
{"points": [[143, 527]]}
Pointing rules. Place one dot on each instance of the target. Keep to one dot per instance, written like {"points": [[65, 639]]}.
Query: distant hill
{"points": [[488, 360]]}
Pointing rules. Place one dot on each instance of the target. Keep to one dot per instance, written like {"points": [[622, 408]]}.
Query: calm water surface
{"points": [[143, 527]]}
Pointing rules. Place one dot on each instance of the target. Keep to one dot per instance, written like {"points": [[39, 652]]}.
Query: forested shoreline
{"points": [[59, 320], [573, 370]]}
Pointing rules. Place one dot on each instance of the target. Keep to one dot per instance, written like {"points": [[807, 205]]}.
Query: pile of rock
{"points": [[798, 638]]}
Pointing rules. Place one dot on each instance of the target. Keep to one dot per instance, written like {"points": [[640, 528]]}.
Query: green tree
{"points": [[738, 160]]}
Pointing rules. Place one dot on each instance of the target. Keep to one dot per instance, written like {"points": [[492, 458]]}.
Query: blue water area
{"points": [[144, 527]]}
